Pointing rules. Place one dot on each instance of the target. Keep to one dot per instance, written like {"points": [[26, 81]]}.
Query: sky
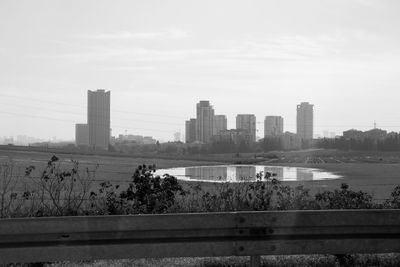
{"points": [[159, 58]]}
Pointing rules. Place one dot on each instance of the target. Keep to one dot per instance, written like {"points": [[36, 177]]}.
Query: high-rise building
{"points": [[273, 126], [190, 131], [220, 124], [81, 134], [99, 119], [204, 121], [305, 121], [247, 122]]}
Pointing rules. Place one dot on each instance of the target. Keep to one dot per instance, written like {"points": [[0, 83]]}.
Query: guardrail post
{"points": [[255, 261]]}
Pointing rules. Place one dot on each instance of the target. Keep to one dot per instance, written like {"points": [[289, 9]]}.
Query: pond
{"points": [[243, 173]]}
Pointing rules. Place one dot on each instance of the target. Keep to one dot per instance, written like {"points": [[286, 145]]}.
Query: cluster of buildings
{"points": [[133, 139], [208, 127], [374, 134], [95, 134]]}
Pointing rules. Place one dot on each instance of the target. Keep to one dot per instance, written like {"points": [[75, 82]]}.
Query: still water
{"points": [[243, 173]]}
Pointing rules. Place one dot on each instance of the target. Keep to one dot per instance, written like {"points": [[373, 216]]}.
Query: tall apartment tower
{"points": [[273, 126], [247, 122], [190, 131], [220, 124], [204, 121], [99, 119], [305, 121]]}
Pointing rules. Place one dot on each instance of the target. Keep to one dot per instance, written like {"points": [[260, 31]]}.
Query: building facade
{"points": [[305, 121], [247, 122], [204, 122], [273, 126], [99, 119], [190, 131], [291, 141], [220, 124], [81, 134], [374, 134], [234, 135]]}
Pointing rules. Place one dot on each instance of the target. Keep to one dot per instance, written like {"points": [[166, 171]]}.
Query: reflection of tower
{"points": [[275, 170], [218, 173], [245, 173], [305, 175], [190, 173]]}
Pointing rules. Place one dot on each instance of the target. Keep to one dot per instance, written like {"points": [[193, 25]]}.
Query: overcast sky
{"points": [[159, 58]]}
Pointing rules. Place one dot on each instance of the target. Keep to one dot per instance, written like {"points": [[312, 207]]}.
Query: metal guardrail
{"points": [[199, 235]]}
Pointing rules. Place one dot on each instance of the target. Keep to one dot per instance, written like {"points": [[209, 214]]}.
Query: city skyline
{"points": [[260, 127], [160, 58]]}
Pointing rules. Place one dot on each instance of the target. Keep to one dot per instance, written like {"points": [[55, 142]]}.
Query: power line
{"points": [[80, 114], [73, 122], [79, 106], [153, 114]]}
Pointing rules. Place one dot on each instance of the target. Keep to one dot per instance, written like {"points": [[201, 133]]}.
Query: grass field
{"points": [[376, 173]]}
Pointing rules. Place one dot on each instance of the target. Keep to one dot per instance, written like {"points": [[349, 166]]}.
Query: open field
{"points": [[118, 170], [376, 173]]}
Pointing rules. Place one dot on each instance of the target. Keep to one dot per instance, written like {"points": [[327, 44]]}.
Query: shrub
{"points": [[8, 196], [394, 201], [344, 199], [150, 194], [57, 192]]}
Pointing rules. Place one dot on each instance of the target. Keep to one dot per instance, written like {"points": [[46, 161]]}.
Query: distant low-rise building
{"points": [[8, 141], [353, 134], [177, 137], [234, 135], [374, 134], [149, 140], [81, 134], [291, 141], [135, 139]]}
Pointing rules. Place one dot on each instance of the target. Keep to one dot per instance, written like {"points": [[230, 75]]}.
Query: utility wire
{"points": [[70, 121], [83, 107]]}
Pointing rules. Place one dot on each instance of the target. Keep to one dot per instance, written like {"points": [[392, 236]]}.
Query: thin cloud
{"points": [[370, 3], [171, 34]]}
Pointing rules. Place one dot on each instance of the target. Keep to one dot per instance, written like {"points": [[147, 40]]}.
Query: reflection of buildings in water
{"points": [[277, 170], [245, 173], [190, 172], [206, 173], [231, 174], [305, 175], [219, 173]]}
